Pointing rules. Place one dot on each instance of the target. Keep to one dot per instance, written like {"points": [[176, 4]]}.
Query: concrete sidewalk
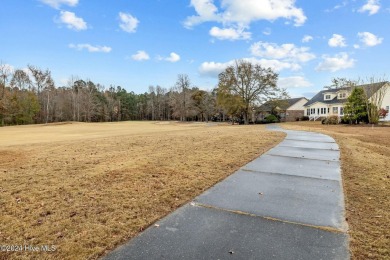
{"points": [[286, 204]]}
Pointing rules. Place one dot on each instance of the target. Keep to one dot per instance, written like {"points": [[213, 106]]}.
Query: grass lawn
{"points": [[86, 188], [365, 157]]}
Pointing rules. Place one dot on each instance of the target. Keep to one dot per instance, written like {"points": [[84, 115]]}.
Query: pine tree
{"points": [[355, 109]]}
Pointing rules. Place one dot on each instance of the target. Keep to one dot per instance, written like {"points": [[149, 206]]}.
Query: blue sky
{"points": [[135, 43]]}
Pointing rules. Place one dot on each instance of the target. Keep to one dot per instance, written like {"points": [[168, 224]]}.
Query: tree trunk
{"points": [[246, 117]]}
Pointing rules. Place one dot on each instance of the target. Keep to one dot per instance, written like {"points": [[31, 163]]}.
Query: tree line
{"points": [[30, 96]]}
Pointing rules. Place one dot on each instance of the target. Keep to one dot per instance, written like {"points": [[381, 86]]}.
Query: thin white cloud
{"points": [[287, 51], [72, 21], [338, 6], [140, 56], [294, 82], [267, 31], [90, 47], [57, 3], [212, 69], [173, 57], [337, 40], [128, 22], [372, 7], [343, 4], [369, 40], [229, 34], [307, 38], [244, 12], [340, 61]]}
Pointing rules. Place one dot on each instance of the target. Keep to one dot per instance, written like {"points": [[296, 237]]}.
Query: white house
{"points": [[331, 102], [288, 109]]}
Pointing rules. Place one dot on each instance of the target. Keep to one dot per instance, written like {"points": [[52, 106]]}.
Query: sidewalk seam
{"points": [[323, 228], [334, 160], [316, 178], [312, 148], [328, 142]]}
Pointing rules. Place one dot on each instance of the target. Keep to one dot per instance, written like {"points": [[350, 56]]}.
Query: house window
{"points": [[327, 97], [387, 109], [342, 95], [318, 111], [341, 111], [328, 110], [335, 110], [308, 112]]}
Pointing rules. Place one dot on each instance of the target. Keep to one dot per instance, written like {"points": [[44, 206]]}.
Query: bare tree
{"points": [[341, 83], [20, 79], [49, 90], [39, 77], [375, 90], [41, 80], [71, 86], [89, 101], [160, 102], [182, 99], [152, 102], [63, 104], [5, 72]]}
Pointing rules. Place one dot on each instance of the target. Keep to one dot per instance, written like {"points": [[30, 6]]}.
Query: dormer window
{"points": [[327, 97], [342, 95]]}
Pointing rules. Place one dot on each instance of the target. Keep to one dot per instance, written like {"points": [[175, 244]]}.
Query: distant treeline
{"points": [[31, 96]]}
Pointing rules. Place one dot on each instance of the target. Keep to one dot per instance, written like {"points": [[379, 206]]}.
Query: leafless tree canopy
{"points": [[375, 97], [244, 85], [31, 96]]}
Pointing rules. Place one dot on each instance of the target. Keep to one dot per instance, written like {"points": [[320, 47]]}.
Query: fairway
{"points": [[88, 187], [68, 131]]}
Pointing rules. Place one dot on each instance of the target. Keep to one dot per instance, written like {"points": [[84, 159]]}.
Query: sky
{"points": [[136, 43]]}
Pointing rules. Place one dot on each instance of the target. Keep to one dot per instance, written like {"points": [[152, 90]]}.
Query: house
{"points": [[288, 109], [331, 102]]}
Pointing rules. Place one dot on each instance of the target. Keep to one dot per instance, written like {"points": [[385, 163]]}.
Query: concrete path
{"points": [[286, 204]]}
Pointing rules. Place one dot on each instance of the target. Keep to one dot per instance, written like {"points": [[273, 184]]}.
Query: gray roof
{"points": [[283, 104], [369, 89]]}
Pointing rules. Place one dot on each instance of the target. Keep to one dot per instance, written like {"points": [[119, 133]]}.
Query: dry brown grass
{"points": [[86, 188], [365, 156]]}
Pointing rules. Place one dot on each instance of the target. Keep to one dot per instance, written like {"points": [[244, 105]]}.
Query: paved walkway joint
{"points": [[286, 204]]}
